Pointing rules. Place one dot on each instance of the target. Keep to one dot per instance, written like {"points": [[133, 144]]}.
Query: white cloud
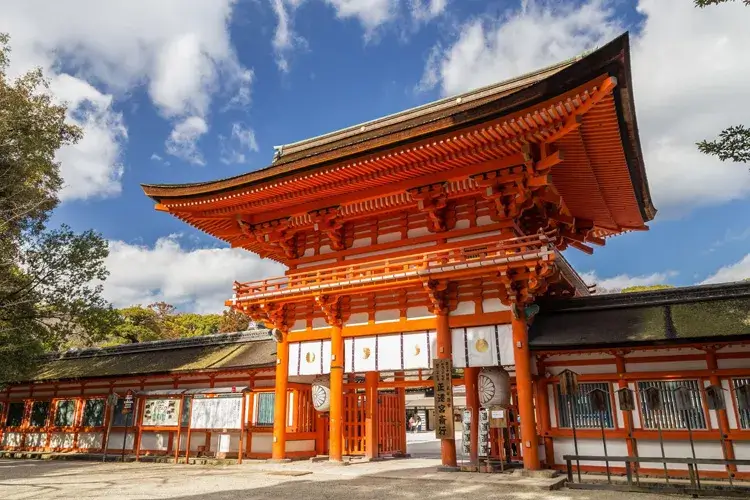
{"points": [[177, 49], [617, 283], [734, 272], [426, 10], [369, 13], [183, 141], [91, 168], [285, 39], [235, 147], [690, 76], [194, 280]]}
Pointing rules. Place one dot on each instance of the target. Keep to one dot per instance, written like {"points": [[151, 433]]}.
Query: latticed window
{"points": [[39, 413], [264, 415], [15, 414], [585, 411], [672, 414], [93, 413], [741, 391], [65, 413]]}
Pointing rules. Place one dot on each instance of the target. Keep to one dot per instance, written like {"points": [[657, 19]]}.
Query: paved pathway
{"points": [[414, 479]]}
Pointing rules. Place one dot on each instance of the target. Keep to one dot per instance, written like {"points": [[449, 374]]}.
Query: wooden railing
{"points": [[395, 268]]}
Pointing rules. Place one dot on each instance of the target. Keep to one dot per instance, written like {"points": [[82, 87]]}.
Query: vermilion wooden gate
{"points": [[354, 424], [390, 424]]}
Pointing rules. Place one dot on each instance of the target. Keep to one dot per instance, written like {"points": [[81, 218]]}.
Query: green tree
{"points": [[233, 321], [194, 325], [136, 324], [733, 143], [50, 279]]}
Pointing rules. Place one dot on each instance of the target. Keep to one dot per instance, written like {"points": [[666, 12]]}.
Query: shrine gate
{"points": [[426, 235]]}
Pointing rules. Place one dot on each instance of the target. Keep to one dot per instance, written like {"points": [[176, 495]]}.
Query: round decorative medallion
{"points": [[417, 350], [366, 353], [310, 357], [494, 387], [321, 395], [482, 345]]}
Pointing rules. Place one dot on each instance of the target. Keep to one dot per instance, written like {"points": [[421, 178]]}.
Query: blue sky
{"points": [[184, 91]]}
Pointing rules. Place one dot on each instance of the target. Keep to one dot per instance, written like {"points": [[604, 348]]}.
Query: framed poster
{"points": [[161, 412], [216, 413]]}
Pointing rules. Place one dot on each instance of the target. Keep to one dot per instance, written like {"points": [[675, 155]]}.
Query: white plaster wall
{"points": [[474, 236], [115, 441], [418, 313], [261, 443], [484, 220], [551, 405], [666, 366], [36, 439], [358, 319], [390, 250], [216, 438], [742, 450], [463, 308], [197, 439], [299, 326], [388, 237], [361, 242], [387, 315], [733, 363], [463, 224], [615, 447], [417, 232], [584, 369], [61, 440], [12, 439], [493, 305], [300, 445], [315, 263], [663, 352], [680, 449], [90, 440], [156, 441]]}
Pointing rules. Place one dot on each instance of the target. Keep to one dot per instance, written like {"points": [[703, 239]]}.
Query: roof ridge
{"points": [[677, 295], [257, 334]]}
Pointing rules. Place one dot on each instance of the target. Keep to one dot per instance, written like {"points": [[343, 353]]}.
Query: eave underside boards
{"points": [[593, 179], [595, 152]]}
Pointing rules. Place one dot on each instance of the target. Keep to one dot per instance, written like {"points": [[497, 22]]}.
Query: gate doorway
{"points": [[391, 435], [354, 424]]}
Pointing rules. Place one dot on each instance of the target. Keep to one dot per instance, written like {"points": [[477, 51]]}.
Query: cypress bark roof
{"points": [[690, 314], [243, 350]]}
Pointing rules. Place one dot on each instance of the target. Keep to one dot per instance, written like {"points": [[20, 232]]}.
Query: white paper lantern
{"points": [[494, 387], [321, 394]]}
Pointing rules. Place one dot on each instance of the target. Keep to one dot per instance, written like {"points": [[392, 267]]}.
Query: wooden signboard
{"points": [[161, 413], [442, 374], [216, 413]]}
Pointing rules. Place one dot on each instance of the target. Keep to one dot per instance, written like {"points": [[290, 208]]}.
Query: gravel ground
{"points": [[33, 479]]}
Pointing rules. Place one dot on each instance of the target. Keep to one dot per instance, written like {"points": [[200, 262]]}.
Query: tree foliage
{"points": [[706, 3], [233, 321], [50, 279], [733, 142]]}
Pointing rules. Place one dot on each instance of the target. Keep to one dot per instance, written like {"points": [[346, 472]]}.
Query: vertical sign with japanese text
{"points": [[442, 374]]}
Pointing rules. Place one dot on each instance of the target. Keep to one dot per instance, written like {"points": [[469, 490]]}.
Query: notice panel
{"points": [[160, 412], [216, 413], [442, 374]]}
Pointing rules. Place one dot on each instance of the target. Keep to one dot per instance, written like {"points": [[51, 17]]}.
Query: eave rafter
{"points": [[330, 222]]}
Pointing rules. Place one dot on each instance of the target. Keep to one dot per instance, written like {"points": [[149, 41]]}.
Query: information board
{"points": [[442, 374], [161, 412], [216, 413]]}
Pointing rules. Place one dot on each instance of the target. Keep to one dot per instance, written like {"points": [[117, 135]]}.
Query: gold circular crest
{"points": [[310, 357], [417, 350], [366, 353], [482, 345]]}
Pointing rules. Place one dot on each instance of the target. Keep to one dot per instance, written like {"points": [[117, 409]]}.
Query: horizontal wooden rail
{"points": [[398, 269]]}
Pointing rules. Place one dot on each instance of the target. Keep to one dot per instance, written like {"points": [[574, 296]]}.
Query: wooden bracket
{"points": [[442, 294], [273, 236], [272, 313], [433, 201], [329, 222], [334, 309]]}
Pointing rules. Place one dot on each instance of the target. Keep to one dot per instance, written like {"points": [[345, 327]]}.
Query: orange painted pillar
{"points": [[278, 450], [444, 351], [721, 415], [471, 377], [525, 388], [630, 442], [336, 412], [371, 415], [401, 393]]}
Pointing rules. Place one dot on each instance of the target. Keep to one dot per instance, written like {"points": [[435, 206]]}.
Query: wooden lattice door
{"points": [[390, 424], [354, 424]]}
